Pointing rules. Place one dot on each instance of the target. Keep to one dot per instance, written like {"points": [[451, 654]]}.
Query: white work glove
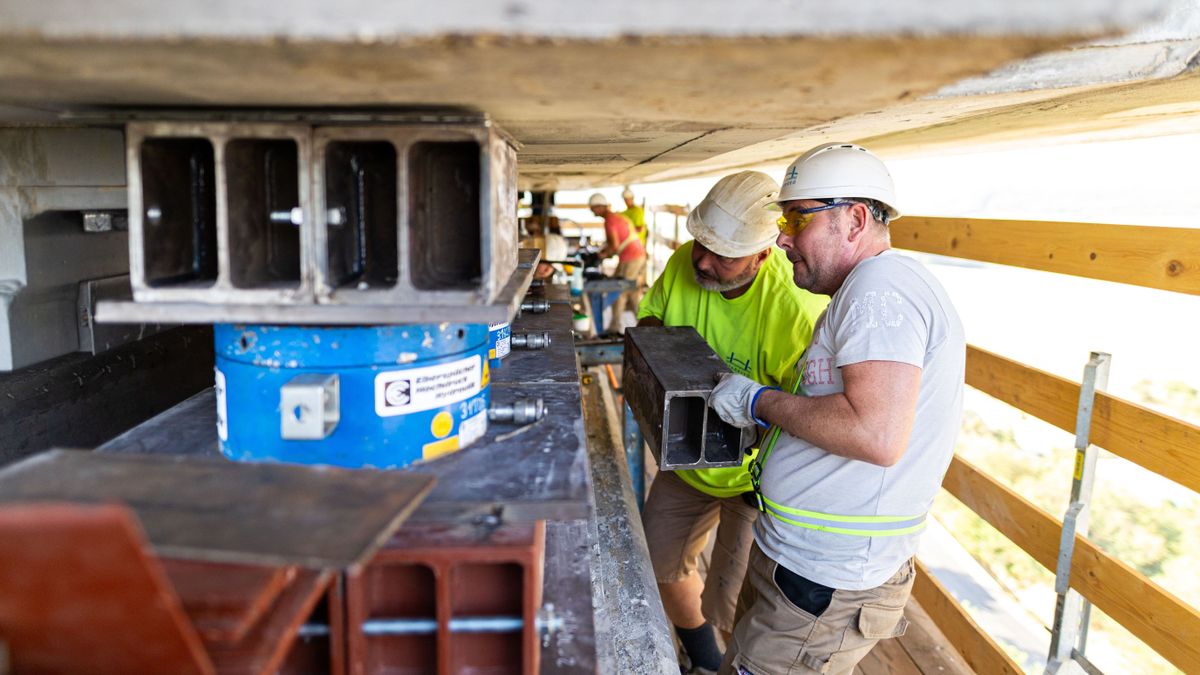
{"points": [[733, 398]]}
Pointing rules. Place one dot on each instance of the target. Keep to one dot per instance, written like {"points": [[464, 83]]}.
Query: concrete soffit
{"points": [[619, 91]]}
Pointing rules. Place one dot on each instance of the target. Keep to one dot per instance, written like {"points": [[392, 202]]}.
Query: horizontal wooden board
{"points": [[1163, 444], [1164, 622], [976, 647], [1155, 257]]}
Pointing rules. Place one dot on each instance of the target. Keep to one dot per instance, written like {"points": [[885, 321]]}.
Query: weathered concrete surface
{"points": [[354, 19], [632, 631], [586, 112], [1138, 84], [597, 93]]}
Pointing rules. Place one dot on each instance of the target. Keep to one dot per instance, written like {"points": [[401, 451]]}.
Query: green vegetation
{"points": [[1141, 518]]}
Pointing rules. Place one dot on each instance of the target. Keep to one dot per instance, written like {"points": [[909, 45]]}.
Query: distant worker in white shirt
{"points": [[857, 452]]}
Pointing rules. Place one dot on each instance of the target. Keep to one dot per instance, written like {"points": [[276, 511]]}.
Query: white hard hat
{"points": [[597, 199], [733, 219], [627, 193], [840, 170]]}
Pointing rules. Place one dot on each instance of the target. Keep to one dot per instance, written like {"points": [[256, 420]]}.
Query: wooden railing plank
{"points": [[978, 649], [1164, 622], [1155, 257], [1167, 446]]}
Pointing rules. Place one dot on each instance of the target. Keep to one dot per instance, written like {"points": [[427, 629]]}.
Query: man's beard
{"points": [[710, 284]]}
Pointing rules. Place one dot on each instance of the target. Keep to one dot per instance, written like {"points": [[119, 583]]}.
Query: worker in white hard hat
{"points": [[634, 214], [621, 240], [857, 449], [736, 289]]}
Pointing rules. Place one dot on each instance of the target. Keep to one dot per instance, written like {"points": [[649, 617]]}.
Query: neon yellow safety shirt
{"points": [[637, 216], [760, 334]]}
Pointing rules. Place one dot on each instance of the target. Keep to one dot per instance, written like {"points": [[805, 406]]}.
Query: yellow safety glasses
{"points": [[794, 221]]}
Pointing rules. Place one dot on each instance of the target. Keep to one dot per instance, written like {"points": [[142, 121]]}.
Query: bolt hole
{"points": [[298, 412], [461, 333]]}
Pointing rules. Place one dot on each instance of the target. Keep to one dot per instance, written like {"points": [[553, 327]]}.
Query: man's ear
{"points": [[858, 221]]}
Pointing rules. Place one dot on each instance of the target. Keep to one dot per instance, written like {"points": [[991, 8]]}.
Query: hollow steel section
{"points": [[669, 374], [291, 212]]}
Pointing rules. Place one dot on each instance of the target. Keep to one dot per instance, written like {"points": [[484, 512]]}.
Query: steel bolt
{"points": [[292, 217], [520, 411], [531, 340], [535, 306]]}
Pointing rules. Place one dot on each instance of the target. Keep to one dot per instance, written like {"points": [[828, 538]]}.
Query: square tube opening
{"points": [[722, 441], [401, 591], [487, 590], [443, 208], [262, 177], [683, 430], [179, 217], [360, 220]]}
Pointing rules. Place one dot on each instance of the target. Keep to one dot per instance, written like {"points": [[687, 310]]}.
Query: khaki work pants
{"points": [[631, 269], [775, 636], [678, 519]]}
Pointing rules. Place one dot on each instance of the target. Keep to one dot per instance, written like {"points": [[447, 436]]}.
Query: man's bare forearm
{"points": [[870, 421]]}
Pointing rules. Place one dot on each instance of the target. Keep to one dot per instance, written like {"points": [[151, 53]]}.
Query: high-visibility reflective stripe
{"points": [[843, 530], [841, 519]]}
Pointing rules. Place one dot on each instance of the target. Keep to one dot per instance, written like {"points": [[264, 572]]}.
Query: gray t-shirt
{"points": [[890, 308]]}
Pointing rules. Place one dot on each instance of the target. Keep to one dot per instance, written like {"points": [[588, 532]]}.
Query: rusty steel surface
{"points": [[225, 601], [267, 646], [78, 594], [440, 572], [669, 373], [216, 510]]}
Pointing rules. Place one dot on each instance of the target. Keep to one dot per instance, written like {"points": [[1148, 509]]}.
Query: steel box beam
{"points": [[669, 374]]}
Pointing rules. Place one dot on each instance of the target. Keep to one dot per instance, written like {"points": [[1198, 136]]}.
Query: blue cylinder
{"points": [[499, 343], [354, 396]]}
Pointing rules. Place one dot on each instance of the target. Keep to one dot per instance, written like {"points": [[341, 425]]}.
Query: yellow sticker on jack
{"points": [[442, 424], [439, 448]]}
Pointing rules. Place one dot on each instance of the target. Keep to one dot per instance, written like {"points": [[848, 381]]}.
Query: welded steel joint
{"points": [[669, 374]]}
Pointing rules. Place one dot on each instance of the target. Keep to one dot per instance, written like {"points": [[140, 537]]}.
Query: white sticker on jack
{"points": [[222, 407], [472, 429], [400, 392]]}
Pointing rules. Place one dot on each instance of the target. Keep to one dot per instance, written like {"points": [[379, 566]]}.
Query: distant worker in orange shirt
{"points": [[621, 240]]}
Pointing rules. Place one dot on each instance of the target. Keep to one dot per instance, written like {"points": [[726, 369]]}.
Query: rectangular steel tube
{"points": [[668, 376]]}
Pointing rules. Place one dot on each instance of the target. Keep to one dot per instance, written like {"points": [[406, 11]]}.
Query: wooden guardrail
{"points": [[1155, 257], [978, 649], [1168, 625], [1158, 442], [1167, 446]]}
